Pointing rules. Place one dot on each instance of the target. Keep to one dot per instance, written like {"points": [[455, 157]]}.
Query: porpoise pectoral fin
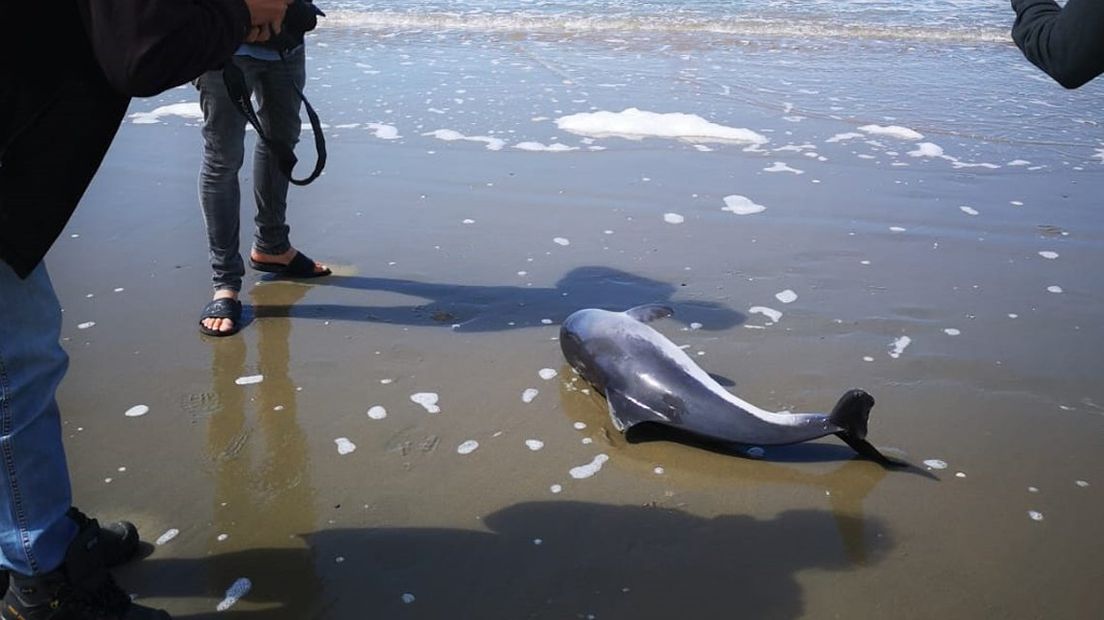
{"points": [[649, 312], [627, 413]]}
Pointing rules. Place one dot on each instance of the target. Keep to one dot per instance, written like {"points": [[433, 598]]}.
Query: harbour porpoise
{"points": [[647, 378]]}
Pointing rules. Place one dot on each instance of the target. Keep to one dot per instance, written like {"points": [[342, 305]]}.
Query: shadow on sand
{"points": [[537, 560], [470, 308]]}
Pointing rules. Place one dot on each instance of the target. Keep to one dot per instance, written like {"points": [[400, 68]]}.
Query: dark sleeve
{"points": [[1067, 43], [147, 46]]}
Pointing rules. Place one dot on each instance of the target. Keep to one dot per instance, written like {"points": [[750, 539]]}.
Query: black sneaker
{"points": [[54, 596], [118, 541], [80, 589]]}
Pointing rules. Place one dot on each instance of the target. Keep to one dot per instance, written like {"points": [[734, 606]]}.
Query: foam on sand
{"points": [[190, 111], [927, 149], [384, 132], [892, 131], [899, 346], [741, 205], [234, 593], [537, 147], [427, 400], [344, 446], [136, 411], [451, 135], [636, 124], [591, 468]]}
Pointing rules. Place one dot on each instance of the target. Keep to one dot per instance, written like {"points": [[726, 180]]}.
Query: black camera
{"points": [[301, 17]]}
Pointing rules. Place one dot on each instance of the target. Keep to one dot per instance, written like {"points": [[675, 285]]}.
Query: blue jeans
{"points": [[273, 83], [35, 493]]}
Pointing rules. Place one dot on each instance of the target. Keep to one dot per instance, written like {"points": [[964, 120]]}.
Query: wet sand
{"points": [[450, 280]]}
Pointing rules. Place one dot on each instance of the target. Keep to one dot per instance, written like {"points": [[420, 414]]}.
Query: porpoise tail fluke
{"points": [[851, 413]]}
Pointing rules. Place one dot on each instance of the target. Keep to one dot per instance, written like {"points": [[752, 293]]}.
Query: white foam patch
{"points": [[1081, 483], [222, 537], [427, 400], [190, 111], [781, 167], [968, 210], [529, 394], [234, 593], [787, 296], [935, 464], [547, 373], [927, 149], [86, 325], [344, 446], [555, 488], [1035, 515], [892, 131], [249, 380], [579, 426], [467, 447], [673, 218], [451, 135], [384, 132], [1018, 162], [534, 444], [408, 598], [741, 205], [591, 468], [899, 346], [897, 229], [561, 241], [377, 412], [167, 536], [537, 147], [136, 411], [770, 313], [840, 137], [950, 331], [1054, 289], [964, 164], [1048, 254], [637, 124]]}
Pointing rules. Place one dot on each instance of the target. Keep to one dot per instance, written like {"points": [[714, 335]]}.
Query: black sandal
{"points": [[222, 308], [299, 267]]}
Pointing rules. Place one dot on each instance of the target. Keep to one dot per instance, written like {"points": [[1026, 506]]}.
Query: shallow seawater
{"points": [[414, 429]]}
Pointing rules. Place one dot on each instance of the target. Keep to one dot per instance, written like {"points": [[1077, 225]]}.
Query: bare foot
{"points": [[221, 325], [283, 259]]}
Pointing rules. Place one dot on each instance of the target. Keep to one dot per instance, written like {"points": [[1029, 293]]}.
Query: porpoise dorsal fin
{"points": [[649, 312], [626, 412]]}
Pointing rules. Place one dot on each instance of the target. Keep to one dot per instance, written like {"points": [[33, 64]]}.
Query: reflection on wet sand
{"points": [[263, 495]]}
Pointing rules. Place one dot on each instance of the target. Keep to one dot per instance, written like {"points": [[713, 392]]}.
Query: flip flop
{"points": [[224, 308], [299, 267]]}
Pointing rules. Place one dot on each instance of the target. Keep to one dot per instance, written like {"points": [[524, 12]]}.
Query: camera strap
{"points": [[238, 90]]}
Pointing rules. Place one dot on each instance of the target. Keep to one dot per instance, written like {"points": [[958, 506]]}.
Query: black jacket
{"points": [[69, 69], [1067, 43]]}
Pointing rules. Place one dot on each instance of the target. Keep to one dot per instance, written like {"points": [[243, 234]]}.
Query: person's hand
{"points": [[263, 32], [263, 12]]}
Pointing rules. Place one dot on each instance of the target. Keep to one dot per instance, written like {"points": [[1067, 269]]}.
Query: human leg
{"points": [[46, 545], [220, 193], [34, 531], [278, 84]]}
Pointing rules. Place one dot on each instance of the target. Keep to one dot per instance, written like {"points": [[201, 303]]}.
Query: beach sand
{"points": [[966, 300]]}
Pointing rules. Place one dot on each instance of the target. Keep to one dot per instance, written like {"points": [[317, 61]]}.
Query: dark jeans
{"points": [[273, 84]]}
